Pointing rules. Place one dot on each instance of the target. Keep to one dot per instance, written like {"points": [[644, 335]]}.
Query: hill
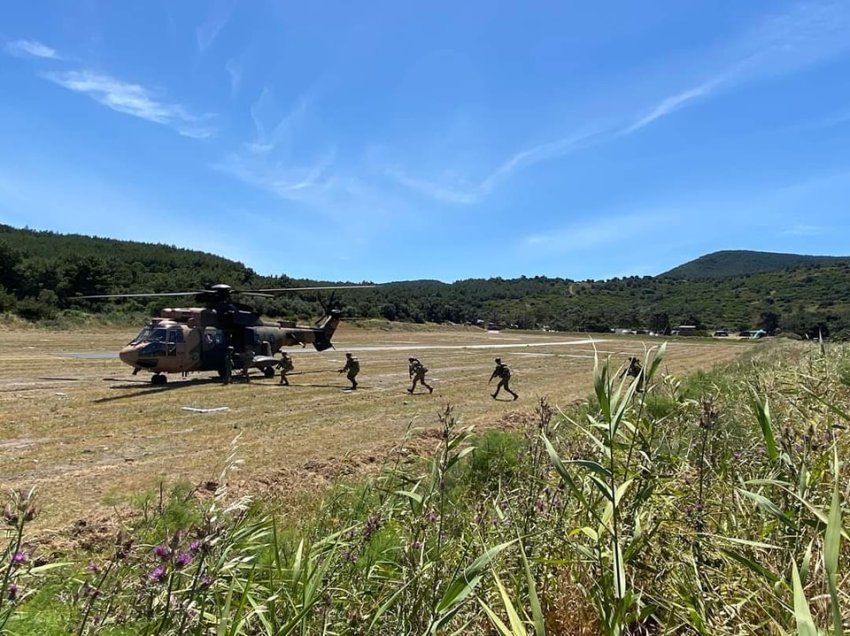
{"points": [[742, 262], [41, 271]]}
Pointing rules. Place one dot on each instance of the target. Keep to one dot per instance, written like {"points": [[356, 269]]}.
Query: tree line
{"points": [[41, 273]]}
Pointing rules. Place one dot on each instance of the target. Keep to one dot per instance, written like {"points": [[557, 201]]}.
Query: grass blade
{"points": [[805, 623]]}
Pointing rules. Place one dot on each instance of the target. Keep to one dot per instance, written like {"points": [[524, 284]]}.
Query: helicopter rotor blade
{"points": [[149, 295], [253, 293], [320, 288]]}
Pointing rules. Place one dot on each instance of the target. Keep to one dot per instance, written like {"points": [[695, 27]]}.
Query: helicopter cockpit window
{"points": [[144, 335], [158, 335]]}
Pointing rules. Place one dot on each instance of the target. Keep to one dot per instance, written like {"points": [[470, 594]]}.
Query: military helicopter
{"points": [[198, 338]]}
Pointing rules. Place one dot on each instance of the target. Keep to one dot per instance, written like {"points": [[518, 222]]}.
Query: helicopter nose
{"points": [[129, 355]]}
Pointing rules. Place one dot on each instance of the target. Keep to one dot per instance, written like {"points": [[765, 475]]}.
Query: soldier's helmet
{"points": [[348, 354], [411, 359], [498, 360]]}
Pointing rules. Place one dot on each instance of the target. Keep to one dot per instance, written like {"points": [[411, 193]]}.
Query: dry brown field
{"points": [[91, 436]]}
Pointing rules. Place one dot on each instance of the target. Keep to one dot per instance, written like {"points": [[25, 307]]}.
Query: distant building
{"points": [[684, 330]]}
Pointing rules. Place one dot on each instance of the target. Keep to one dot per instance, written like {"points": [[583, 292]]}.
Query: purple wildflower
{"points": [[183, 559], [373, 524], [93, 567], [13, 591], [195, 546], [206, 580], [416, 545], [162, 551], [18, 558], [157, 574]]}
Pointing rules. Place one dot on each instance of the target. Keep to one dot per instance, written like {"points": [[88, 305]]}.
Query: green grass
{"points": [[705, 505]]}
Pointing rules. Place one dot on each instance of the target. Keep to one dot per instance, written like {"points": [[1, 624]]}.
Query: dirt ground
{"points": [[75, 423]]}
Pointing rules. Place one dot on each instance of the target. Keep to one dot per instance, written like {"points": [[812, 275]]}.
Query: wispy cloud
{"points": [[207, 32], [285, 180], [135, 100], [31, 48], [804, 230], [440, 191], [459, 190], [673, 103], [234, 73], [806, 34], [599, 232]]}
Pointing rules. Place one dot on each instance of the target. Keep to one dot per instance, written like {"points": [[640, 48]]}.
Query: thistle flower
{"points": [[162, 551], [183, 559], [13, 591], [93, 567], [157, 574], [195, 546], [373, 524], [18, 558]]}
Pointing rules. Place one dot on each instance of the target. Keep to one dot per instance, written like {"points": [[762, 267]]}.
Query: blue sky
{"points": [[387, 141]]}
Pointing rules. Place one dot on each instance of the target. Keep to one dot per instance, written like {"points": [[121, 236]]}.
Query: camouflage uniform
{"points": [[285, 365], [504, 374], [352, 365], [416, 370], [228, 365], [247, 363], [635, 371]]}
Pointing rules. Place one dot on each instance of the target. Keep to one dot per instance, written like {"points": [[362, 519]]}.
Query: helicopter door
{"points": [[174, 336], [212, 349]]}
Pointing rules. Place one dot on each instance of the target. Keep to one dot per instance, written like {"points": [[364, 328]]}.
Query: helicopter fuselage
{"points": [[187, 340]]}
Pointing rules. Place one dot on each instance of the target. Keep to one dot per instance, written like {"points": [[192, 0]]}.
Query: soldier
{"points": [[247, 363], [416, 371], [504, 374], [635, 371], [285, 365], [228, 365], [352, 365]]}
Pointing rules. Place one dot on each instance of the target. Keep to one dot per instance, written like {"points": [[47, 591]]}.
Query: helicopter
{"points": [[198, 338]]}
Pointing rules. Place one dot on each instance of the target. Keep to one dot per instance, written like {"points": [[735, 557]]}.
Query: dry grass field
{"points": [[91, 436]]}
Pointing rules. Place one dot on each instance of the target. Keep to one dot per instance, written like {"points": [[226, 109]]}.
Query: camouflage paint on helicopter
{"points": [[196, 339]]}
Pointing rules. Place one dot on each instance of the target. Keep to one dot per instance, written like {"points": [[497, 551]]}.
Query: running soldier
{"points": [[285, 365], [228, 365], [635, 371], [417, 372], [352, 365], [247, 363], [503, 372]]}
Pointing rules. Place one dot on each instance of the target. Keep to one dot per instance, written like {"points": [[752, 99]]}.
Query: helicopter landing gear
{"points": [[159, 379], [268, 372]]}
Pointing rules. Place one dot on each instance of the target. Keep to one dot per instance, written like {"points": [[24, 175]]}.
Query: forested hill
{"points": [[41, 271], [742, 262]]}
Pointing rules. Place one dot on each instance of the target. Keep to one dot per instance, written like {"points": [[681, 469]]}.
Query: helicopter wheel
{"points": [[268, 372], [159, 379]]}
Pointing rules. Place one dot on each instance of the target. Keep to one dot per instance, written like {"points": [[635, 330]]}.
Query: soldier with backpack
{"points": [[416, 371], [352, 365], [634, 370], [503, 372], [285, 365]]}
